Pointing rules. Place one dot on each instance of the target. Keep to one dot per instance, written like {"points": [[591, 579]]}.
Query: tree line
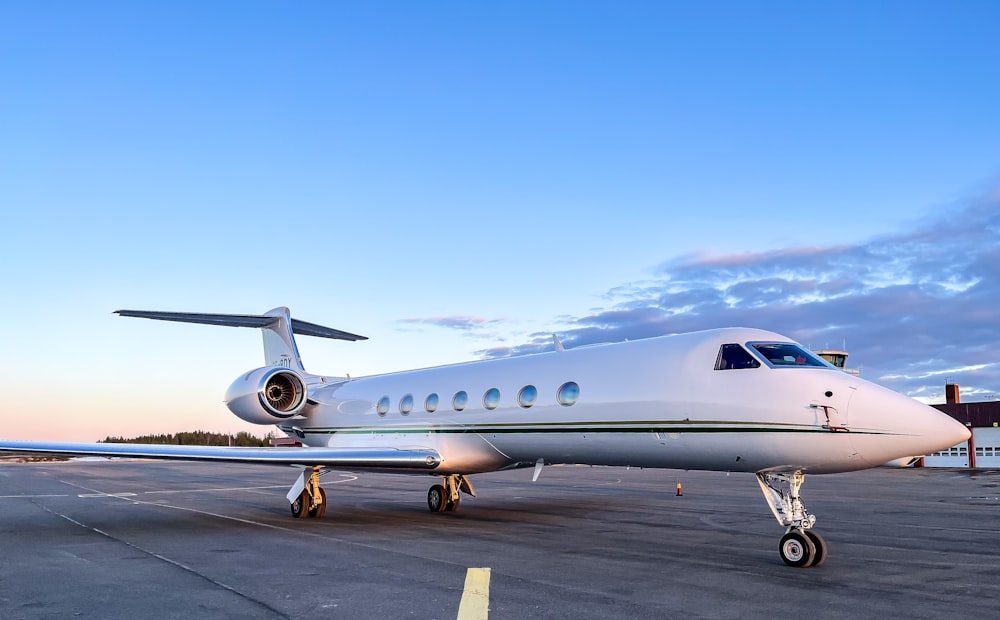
{"points": [[197, 438]]}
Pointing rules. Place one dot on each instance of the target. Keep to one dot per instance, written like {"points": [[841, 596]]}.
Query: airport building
{"points": [[983, 419]]}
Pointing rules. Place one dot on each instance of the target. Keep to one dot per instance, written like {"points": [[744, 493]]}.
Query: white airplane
{"points": [[733, 400]]}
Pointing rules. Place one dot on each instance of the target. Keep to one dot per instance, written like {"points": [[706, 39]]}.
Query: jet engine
{"points": [[266, 395]]}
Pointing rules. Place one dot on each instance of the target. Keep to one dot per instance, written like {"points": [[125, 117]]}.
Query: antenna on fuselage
{"points": [[558, 343]]}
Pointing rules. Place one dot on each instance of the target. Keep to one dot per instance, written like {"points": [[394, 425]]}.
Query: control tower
{"points": [[838, 358]]}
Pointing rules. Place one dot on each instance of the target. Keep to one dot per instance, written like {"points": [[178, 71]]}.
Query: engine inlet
{"points": [[283, 392]]}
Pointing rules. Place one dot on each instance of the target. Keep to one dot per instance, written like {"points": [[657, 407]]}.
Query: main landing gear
{"points": [[446, 497], [306, 497], [800, 546]]}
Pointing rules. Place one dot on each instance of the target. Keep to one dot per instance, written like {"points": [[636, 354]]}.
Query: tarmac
{"points": [[149, 539]]}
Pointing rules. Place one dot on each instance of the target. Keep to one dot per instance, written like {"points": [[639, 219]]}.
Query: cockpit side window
{"points": [[732, 356], [786, 354]]}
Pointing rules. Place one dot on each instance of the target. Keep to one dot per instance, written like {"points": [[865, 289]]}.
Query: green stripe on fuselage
{"points": [[671, 427]]}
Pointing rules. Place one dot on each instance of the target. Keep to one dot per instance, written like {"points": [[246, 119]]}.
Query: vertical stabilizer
{"points": [[279, 344]]}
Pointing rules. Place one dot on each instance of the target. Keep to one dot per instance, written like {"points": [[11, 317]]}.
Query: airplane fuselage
{"points": [[659, 402]]}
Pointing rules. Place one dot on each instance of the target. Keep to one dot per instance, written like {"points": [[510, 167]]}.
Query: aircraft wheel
{"points": [[320, 510], [299, 506], [452, 506], [435, 499], [820, 545], [796, 549]]}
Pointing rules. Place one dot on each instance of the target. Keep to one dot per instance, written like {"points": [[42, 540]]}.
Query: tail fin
{"points": [[279, 343], [277, 326]]}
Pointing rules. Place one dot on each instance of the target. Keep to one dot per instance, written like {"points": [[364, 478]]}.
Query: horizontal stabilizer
{"points": [[242, 320], [354, 458]]}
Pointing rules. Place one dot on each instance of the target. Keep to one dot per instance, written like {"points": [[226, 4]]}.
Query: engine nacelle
{"points": [[266, 395]]}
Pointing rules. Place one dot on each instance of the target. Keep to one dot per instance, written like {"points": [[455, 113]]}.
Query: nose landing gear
{"points": [[800, 546]]}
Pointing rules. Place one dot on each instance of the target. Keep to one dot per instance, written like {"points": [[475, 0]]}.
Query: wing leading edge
{"points": [[380, 458]]}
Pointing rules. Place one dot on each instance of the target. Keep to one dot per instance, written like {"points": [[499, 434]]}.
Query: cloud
{"points": [[915, 308], [473, 326]]}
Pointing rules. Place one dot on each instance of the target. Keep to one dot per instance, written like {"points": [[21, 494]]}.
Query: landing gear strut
{"points": [[447, 497], [800, 546], [306, 497]]}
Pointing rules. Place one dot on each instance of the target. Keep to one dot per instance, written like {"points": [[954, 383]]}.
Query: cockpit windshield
{"points": [[733, 356], [786, 354]]}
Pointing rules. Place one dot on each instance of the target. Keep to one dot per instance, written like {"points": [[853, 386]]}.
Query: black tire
{"points": [[436, 501], [796, 549], [320, 510], [300, 505], [820, 545]]}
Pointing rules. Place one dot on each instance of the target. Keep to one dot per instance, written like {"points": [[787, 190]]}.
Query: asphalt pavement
{"points": [[128, 539]]}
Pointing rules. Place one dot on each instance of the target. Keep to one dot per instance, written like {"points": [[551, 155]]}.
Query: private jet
{"points": [[728, 400]]}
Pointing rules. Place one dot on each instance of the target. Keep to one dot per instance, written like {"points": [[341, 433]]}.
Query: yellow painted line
{"points": [[475, 603]]}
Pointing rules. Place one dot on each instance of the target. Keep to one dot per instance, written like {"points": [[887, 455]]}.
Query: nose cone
{"points": [[886, 425], [943, 431]]}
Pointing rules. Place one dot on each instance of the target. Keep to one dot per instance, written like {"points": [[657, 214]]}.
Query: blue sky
{"points": [[459, 180]]}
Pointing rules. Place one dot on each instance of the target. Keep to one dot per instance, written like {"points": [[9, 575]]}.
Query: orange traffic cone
{"points": [[680, 491]]}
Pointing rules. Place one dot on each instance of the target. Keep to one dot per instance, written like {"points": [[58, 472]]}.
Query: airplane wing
{"points": [[381, 458]]}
